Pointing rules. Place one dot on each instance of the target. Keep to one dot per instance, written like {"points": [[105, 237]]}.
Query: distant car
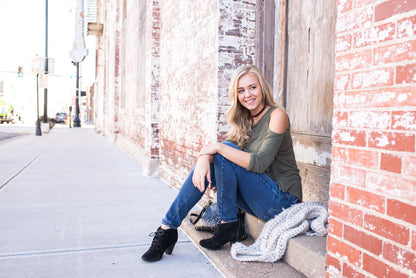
{"points": [[61, 117]]}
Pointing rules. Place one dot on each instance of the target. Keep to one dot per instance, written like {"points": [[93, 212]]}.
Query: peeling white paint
{"points": [[341, 83], [371, 227], [402, 97], [355, 19], [374, 35], [384, 97], [342, 4], [382, 141], [358, 61], [363, 119], [367, 79], [342, 45], [311, 155], [406, 120], [403, 48], [341, 123], [346, 137], [333, 270], [374, 207], [401, 258], [406, 27]]}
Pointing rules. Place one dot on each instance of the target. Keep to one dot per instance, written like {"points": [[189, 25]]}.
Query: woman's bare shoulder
{"points": [[279, 121]]}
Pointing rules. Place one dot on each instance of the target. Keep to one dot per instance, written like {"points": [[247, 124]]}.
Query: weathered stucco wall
{"points": [[372, 230]]}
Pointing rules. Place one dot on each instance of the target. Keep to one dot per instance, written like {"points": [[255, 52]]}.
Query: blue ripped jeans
{"points": [[256, 194]]}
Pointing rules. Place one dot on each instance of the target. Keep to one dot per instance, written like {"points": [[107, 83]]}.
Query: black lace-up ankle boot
{"points": [[163, 241], [224, 233]]}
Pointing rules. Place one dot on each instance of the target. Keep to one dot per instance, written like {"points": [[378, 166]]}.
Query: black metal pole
{"points": [[45, 95], [77, 121], [38, 130], [70, 116]]}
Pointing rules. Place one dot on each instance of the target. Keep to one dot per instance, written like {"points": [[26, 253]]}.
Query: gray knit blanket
{"points": [[270, 246]]}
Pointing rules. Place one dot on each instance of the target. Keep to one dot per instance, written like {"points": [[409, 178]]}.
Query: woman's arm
{"points": [[239, 157], [202, 168], [279, 122]]}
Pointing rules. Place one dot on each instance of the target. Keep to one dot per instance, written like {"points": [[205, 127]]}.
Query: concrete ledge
{"points": [[306, 254], [253, 225], [231, 268]]}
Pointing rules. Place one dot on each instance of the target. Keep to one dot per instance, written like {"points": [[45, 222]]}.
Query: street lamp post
{"points": [[78, 53], [45, 96], [77, 121], [70, 116], [35, 70]]}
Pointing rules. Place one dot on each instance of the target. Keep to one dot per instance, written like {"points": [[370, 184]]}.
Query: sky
{"points": [[23, 36], [23, 33]]}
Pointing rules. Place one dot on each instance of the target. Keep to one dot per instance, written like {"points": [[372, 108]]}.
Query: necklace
{"points": [[258, 114]]}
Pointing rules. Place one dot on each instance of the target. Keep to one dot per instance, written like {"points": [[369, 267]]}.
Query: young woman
{"points": [[254, 169]]}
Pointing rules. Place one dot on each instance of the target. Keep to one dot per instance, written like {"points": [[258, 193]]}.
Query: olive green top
{"points": [[273, 153]]}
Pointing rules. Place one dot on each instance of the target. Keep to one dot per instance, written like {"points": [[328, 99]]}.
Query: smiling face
{"points": [[249, 93]]}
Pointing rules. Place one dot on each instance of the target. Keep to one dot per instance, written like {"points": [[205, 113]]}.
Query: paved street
{"points": [[74, 205], [7, 135], [11, 131]]}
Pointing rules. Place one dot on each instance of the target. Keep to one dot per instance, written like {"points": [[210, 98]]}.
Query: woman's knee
{"points": [[231, 144], [219, 158]]}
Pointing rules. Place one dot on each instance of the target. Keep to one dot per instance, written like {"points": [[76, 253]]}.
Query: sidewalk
{"points": [[74, 205]]}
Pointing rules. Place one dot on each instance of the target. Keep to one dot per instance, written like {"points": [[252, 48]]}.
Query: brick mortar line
{"points": [[369, 212], [394, 266], [378, 170]]}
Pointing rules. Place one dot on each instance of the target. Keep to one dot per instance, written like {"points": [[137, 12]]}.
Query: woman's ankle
{"points": [[164, 227], [224, 222]]}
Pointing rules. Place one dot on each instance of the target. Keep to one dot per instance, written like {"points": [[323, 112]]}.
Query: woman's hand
{"points": [[202, 170], [210, 149]]}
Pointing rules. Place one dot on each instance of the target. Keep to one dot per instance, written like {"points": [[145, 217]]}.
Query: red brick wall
{"points": [[129, 125], [191, 50], [372, 225], [188, 56], [152, 72], [237, 36], [138, 123], [128, 67], [201, 43], [109, 126]]}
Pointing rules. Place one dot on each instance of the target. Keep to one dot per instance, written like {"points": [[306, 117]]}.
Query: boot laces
{"points": [[157, 238]]}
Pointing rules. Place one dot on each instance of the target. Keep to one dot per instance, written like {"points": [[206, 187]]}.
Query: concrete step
{"points": [[231, 268], [304, 253]]}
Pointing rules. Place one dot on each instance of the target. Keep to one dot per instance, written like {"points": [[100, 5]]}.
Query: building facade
{"points": [[372, 196], [344, 71]]}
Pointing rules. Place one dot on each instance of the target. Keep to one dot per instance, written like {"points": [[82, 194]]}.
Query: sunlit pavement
{"points": [[74, 205]]}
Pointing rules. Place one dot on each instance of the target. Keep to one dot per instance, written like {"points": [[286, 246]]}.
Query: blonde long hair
{"points": [[238, 116]]}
